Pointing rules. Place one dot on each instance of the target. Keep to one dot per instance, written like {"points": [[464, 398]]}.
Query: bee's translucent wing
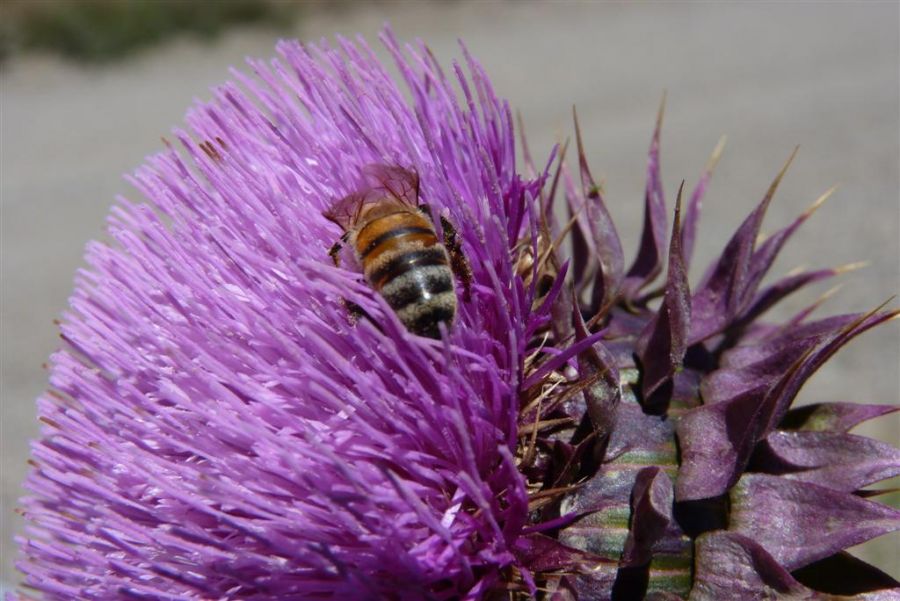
{"points": [[400, 183], [345, 211], [395, 182]]}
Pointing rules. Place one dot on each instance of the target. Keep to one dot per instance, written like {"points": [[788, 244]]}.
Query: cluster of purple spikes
{"points": [[218, 428]]}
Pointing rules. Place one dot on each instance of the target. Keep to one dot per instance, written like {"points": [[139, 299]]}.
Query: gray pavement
{"points": [[770, 76]]}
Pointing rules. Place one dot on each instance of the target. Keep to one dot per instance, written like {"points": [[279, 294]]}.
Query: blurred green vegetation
{"points": [[106, 30]]}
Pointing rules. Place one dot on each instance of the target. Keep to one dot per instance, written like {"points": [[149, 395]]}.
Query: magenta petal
{"points": [[218, 427], [719, 297], [597, 584], [601, 501], [728, 382], [842, 462], [771, 295], [833, 417], [718, 439], [778, 401], [799, 335], [800, 522], [610, 274], [765, 255], [761, 364], [709, 438], [663, 343], [584, 261], [844, 574], [651, 514], [733, 566], [605, 241], [639, 434], [602, 396], [648, 262], [540, 553]]}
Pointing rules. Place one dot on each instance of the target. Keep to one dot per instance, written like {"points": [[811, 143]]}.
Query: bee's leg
{"points": [[354, 311], [458, 261], [335, 250]]}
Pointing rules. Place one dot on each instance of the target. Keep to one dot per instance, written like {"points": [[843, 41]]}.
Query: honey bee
{"points": [[394, 240]]}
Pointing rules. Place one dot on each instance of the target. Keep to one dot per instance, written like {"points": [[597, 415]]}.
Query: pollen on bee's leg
{"points": [[354, 312], [334, 252]]}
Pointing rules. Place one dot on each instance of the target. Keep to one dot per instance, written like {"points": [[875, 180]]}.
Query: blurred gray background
{"points": [[823, 75]]}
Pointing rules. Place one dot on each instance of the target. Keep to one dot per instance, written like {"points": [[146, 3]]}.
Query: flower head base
{"points": [[220, 428]]}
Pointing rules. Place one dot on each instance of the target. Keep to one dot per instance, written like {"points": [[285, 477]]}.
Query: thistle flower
{"points": [[691, 476], [219, 427]]}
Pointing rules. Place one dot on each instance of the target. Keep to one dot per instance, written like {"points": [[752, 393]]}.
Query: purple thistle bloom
{"points": [[217, 427], [220, 427]]}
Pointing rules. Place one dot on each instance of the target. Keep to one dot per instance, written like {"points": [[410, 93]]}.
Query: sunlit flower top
{"points": [[218, 427]]}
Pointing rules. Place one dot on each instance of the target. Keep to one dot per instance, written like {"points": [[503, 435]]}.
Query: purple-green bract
{"points": [[220, 428]]}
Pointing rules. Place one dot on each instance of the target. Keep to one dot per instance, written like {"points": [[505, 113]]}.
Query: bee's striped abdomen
{"points": [[385, 233], [422, 297], [403, 260]]}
